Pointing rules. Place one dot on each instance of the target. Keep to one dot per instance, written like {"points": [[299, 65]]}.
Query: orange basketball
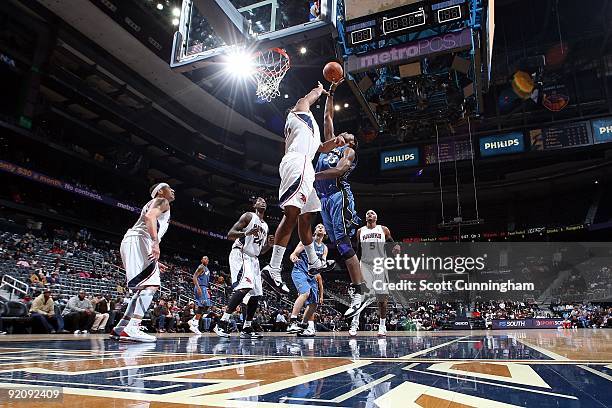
{"points": [[333, 71]]}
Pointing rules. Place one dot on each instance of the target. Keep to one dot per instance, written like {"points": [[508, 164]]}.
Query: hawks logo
{"points": [[303, 198]]}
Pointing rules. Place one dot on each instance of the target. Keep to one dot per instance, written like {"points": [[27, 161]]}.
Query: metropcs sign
{"points": [[438, 44]]}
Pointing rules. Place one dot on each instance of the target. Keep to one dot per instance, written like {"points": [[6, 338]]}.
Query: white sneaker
{"points": [[273, 277], [135, 333], [83, 331], [309, 332], [220, 329], [77, 332], [358, 303], [382, 331], [353, 331], [193, 326], [294, 328]]}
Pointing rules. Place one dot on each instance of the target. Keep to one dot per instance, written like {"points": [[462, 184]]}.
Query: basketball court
{"points": [[544, 368]]}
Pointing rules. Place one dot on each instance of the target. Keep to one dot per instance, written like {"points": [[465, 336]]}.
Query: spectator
{"points": [[35, 280], [79, 313], [43, 311], [102, 315], [164, 319], [281, 322]]}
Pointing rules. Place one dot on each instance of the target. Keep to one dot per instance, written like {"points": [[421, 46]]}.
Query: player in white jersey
{"points": [[372, 238], [251, 239], [297, 196], [140, 256]]}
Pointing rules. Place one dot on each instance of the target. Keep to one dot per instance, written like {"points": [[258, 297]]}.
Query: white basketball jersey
{"points": [[372, 243], [302, 134], [140, 228], [252, 244]]}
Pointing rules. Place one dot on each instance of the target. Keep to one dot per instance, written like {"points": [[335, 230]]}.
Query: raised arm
{"points": [[303, 104], [342, 167], [328, 117]]}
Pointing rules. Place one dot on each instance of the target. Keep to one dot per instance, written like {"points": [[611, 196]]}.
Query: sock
{"points": [[226, 317], [277, 256], [247, 323], [311, 324], [134, 321], [145, 297], [310, 253], [382, 322], [129, 312]]}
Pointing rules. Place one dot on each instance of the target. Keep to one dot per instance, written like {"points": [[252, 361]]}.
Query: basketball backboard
{"points": [[209, 29]]}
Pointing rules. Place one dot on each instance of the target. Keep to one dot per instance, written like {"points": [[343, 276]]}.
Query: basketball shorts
{"points": [[339, 216], [139, 269], [203, 300], [297, 184], [245, 272], [304, 283], [367, 271]]}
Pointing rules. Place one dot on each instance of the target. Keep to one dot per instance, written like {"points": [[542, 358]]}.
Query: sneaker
{"points": [[294, 328], [319, 266], [353, 331], [273, 278], [133, 332], [52, 332], [113, 335], [307, 333], [249, 333], [382, 331], [3, 333], [358, 303], [83, 331], [77, 332], [193, 326], [221, 329]]}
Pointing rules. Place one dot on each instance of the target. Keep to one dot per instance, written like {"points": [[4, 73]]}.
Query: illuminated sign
{"points": [[502, 144], [393, 159]]}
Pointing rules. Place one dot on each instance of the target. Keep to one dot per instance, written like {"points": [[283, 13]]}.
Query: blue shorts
{"points": [[339, 216], [203, 300], [304, 283]]}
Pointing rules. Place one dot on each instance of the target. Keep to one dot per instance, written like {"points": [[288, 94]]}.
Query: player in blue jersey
{"points": [[201, 282], [310, 289], [337, 202]]}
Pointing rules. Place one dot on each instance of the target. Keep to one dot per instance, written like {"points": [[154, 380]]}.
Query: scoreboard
{"points": [[457, 149], [561, 137], [372, 20]]}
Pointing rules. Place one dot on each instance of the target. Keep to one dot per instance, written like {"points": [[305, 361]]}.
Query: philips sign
{"points": [[503, 144], [602, 130], [399, 158]]}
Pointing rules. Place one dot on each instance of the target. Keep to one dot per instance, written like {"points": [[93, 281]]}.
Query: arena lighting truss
{"points": [[230, 27], [404, 95]]}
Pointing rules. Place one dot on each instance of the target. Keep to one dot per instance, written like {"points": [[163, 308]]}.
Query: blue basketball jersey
{"points": [[204, 278], [330, 160]]}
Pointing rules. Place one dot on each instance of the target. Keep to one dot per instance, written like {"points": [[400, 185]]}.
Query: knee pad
{"points": [[345, 248]]}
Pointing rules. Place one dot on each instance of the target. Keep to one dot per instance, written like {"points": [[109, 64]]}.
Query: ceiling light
{"points": [[160, 6], [239, 64], [175, 21], [303, 50], [286, 96], [346, 105], [176, 12], [336, 107]]}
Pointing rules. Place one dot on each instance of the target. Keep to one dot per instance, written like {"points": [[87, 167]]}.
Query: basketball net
{"points": [[272, 65]]}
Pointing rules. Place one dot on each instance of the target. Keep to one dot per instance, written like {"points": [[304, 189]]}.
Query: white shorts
{"points": [[367, 271], [139, 269], [297, 184], [245, 272]]}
